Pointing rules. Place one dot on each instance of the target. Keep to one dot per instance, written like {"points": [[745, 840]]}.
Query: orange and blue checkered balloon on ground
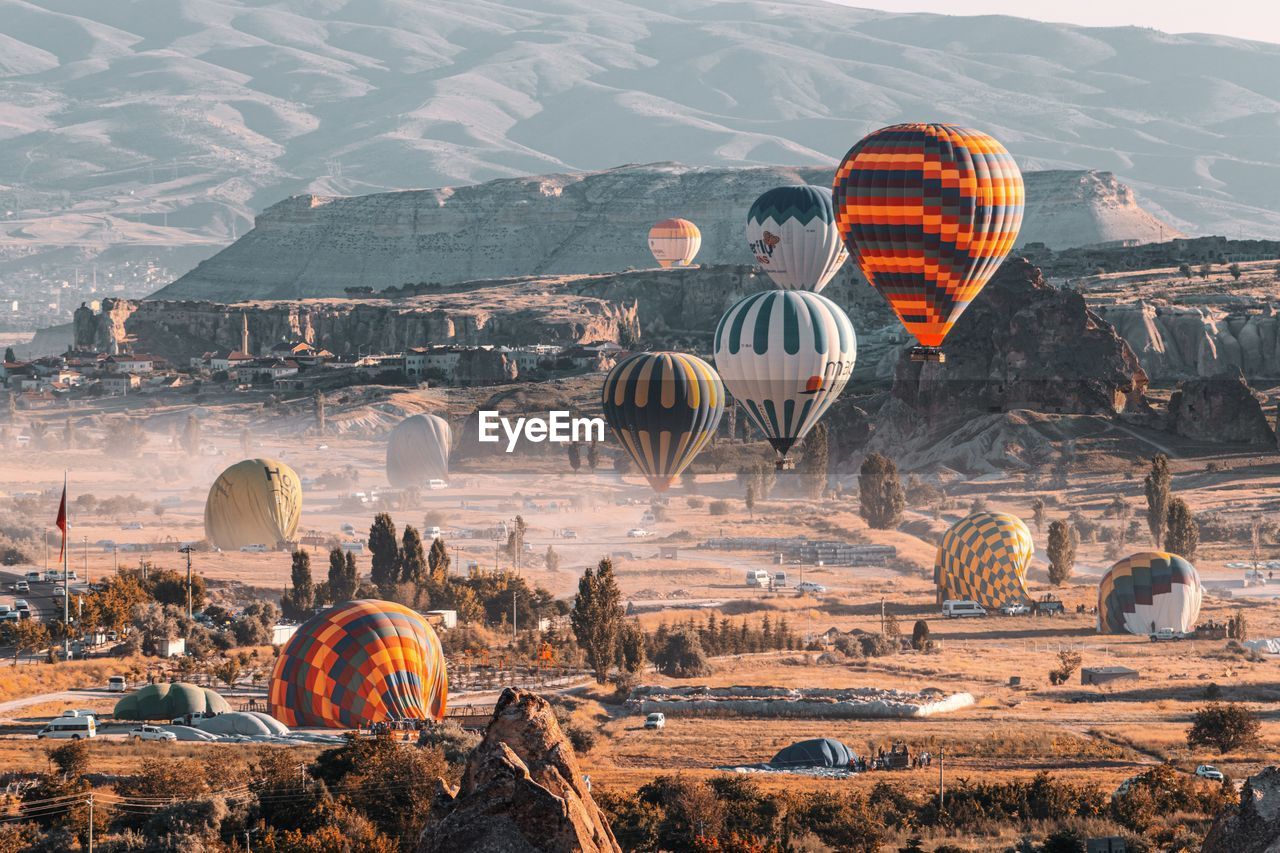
{"points": [[929, 211], [357, 663], [984, 557]]}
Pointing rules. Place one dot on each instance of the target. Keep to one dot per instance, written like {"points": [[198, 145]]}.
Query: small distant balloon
{"points": [[792, 233], [675, 242], [418, 451]]}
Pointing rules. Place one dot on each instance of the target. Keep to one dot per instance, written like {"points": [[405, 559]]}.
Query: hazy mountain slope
{"points": [[157, 122], [568, 223]]}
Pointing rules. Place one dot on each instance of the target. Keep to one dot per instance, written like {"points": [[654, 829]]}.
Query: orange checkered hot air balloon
{"points": [[357, 663], [929, 211], [675, 242]]}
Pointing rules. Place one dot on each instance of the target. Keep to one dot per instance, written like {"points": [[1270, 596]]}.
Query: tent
{"points": [[168, 701], [818, 752]]}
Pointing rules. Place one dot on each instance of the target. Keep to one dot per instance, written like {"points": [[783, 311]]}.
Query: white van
{"points": [[757, 577], [116, 684], [32, 577], [69, 728], [959, 609]]}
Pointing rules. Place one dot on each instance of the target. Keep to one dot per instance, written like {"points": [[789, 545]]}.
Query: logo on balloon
{"points": [[763, 248]]}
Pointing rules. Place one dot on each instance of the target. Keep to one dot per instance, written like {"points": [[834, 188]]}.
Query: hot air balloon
{"points": [[1149, 592], [785, 355], [664, 408], [984, 557], [418, 451], [675, 242], [254, 502], [357, 663], [792, 232], [929, 211]]}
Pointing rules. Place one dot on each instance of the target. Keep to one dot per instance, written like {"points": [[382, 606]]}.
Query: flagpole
{"points": [[66, 597]]}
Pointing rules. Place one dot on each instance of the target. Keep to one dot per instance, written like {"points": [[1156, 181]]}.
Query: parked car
{"points": [[959, 609], [22, 586], [254, 549], [4, 609], [1015, 608], [21, 604], [11, 616], [117, 684], [568, 534], [437, 485], [1208, 771], [59, 592], [31, 577], [69, 728], [151, 733], [1166, 634], [810, 586], [757, 577], [637, 533], [131, 525], [655, 721]]}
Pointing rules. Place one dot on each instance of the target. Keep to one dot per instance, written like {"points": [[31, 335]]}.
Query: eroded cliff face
{"points": [[1186, 341], [586, 222]]}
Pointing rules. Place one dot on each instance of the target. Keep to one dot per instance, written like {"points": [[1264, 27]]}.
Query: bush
{"points": [[682, 656], [718, 508], [1224, 727]]}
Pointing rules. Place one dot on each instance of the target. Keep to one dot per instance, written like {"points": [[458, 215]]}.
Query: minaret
{"points": [[244, 333]]}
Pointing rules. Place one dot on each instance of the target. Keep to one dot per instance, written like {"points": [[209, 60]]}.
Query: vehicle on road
{"points": [[1166, 634], [59, 592], [151, 733], [69, 728], [1048, 605], [779, 580], [1015, 608], [568, 534], [117, 684], [31, 577], [254, 549], [11, 616], [21, 604], [22, 586], [810, 586], [959, 609], [757, 577], [1208, 771], [131, 525], [4, 608], [637, 533], [655, 721], [436, 485]]}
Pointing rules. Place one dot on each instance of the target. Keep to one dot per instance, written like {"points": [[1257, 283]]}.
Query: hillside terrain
{"points": [[162, 127]]}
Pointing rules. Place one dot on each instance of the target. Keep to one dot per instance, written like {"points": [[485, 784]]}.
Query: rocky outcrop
{"points": [[1255, 826], [1025, 345], [1184, 341], [1221, 409], [584, 222], [522, 791]]}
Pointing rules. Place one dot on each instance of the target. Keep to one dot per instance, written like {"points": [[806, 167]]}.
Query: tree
{"points": [[622, 464], [683, 656], [1224, 727], [1185, 269], [385, 553], [1234, 269], [552, 559], [1037, 513], [750, 500], [72, 759], [1157, 486], [631, 651], [438, 562], [322, 424], [125, 437], [28, 635], [1205, 269], [343, 578], [814, 463], [246, 442], [228, 671], [880, 489], [515, 539], [1065, 840], [1062, 552], [575, 457], [69, 434], [593, 455], [300, 599], [597, 617], [413, 557], [9, 355], [1182, 533], [191, 435]]}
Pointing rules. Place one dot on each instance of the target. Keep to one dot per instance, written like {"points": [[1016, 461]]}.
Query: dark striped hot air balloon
{"points": [[929, 211], [1148, 592], [785, 355], [984, 557], [664, 408], [358, 663]]}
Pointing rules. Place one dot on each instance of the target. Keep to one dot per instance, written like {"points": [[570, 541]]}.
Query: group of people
{"points": [[897, 758]]}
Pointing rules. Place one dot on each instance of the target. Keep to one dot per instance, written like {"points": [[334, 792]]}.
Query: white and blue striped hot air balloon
{"points": [[792, 232], [785, 355]]}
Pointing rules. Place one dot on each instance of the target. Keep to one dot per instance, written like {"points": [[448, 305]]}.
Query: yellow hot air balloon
{"points": [[254, 502], [984, 558], [675, 242]]}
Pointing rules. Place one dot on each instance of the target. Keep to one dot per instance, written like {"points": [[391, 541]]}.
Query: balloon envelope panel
{"points": [[254, 502], [786, 356], [1149, 592], [984, 558], [928, 211], [664, 407], [792, 233], [418, 451], [357, 663], [675, 242]]}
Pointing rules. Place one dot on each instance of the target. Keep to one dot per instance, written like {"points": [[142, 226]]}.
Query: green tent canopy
{"points": [[169, 701]]}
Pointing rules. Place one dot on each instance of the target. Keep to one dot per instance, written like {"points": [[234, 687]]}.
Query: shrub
{"points": [[718, 508], [1224, 727], [682, 656]]}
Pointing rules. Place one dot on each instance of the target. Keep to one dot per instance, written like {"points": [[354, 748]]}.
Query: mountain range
{"points": [[156, 123]]}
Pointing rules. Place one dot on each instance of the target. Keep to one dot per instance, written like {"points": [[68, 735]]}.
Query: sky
{"points": [[1251, 19]]}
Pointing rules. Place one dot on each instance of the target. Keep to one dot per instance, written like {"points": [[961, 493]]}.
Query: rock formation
{"points": [[1255, 826], [577, 223], [522, 791], [1184, 341], [1221, 409]]}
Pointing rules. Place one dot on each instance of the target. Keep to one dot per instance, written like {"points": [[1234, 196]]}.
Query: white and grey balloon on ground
{"points": [[418, 451]]}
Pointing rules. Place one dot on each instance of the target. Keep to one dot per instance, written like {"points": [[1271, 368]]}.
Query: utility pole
{"points": [[86, 559], [186, 549], [942, 786], [66, 569], [91, 822], [882, 615], [513, 616]]}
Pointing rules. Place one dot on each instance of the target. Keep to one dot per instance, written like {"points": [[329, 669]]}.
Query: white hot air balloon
{"points": [[785, 355], [418, 451], [1149, 592], [792, 232], [674, 242]]}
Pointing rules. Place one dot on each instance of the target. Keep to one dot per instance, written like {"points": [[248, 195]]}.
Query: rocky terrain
{"points": [[1255, 826], [580, 223], [1180, 341]]}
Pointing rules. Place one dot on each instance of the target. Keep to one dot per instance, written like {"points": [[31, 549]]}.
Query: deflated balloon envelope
{"points": [[664, 407], [254, 502], [418, 451]]}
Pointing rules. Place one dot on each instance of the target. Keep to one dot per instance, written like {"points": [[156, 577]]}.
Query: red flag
{"points": [[62, 522]]}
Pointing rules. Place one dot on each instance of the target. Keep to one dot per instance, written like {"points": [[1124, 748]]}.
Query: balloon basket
{"points": [[785, 464], [928, 354]]}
